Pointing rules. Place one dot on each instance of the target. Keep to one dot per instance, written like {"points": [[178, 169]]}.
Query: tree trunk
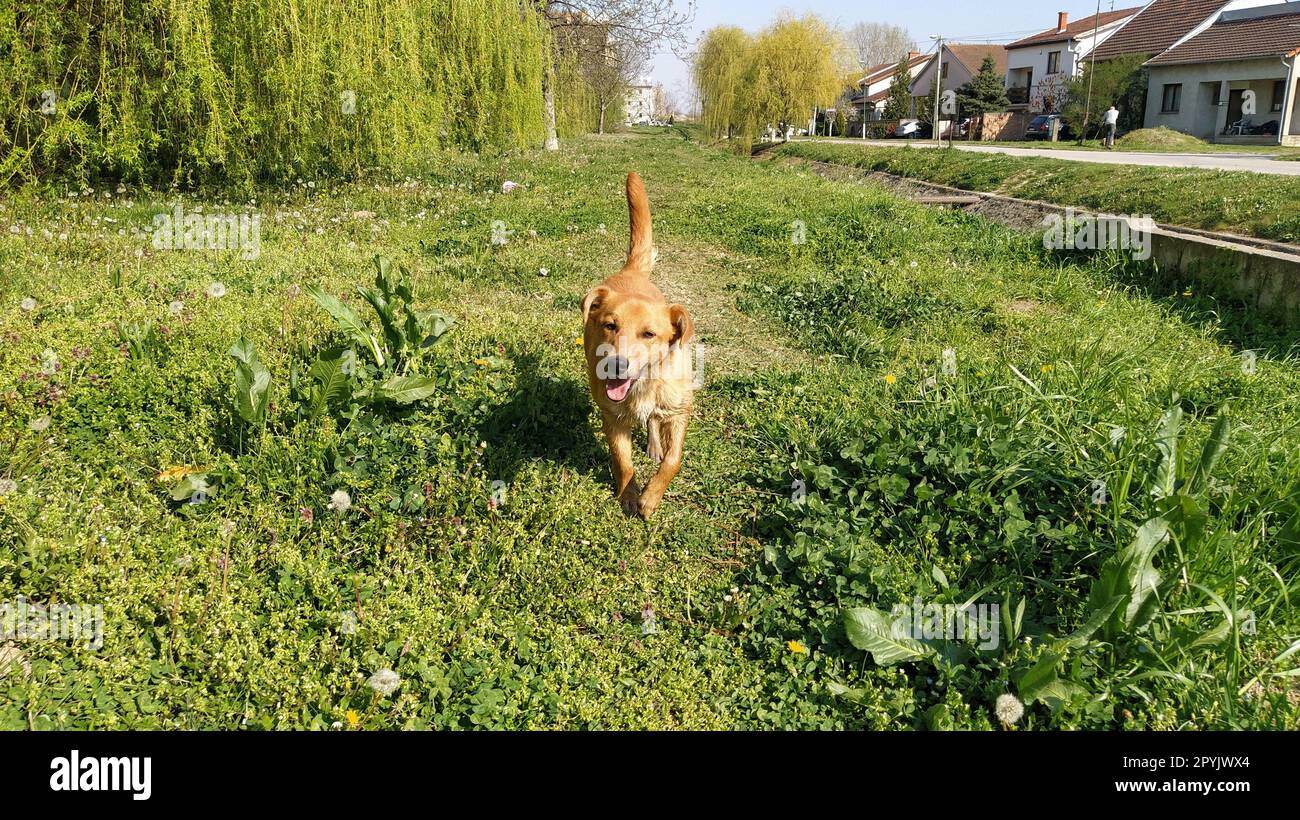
{"points": [[548, 107], [603, 106]]}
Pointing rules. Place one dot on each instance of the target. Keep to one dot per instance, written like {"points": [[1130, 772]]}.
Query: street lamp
{"points": [[863, 68]]}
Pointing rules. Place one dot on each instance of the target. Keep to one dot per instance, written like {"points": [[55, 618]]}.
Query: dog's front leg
{"points": [[672, 438], [619, 436]]}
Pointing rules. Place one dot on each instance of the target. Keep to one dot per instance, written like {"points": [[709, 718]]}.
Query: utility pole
{"points": [[1092, 68], [938, 85]]}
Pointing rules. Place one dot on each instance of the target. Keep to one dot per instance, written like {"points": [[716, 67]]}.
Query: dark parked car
{"points": [[1040, 127]]}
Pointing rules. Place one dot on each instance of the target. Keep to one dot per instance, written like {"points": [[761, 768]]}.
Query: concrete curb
{"points": [[1265, 274]]}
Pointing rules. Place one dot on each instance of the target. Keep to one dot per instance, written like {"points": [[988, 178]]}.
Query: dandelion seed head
{"points": [[1008, 709], [385, 682], [340, 501]]}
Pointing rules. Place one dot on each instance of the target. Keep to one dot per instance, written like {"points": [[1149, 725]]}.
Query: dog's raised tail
{"points": [[640, 247]]}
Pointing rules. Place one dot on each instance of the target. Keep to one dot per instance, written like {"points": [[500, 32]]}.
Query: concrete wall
{"points": [[1197, 114]]}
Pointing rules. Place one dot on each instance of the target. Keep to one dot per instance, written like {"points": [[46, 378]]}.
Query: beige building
{"points": [[639, 106]]}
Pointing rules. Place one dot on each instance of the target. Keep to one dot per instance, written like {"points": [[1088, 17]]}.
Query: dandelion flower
{"points": [[796, 647], [890, 378], [176, 307], [39, 424], [352, 717], [227, 528], [28, 304], [7, 486], [216, 290], [340, 501], [1009, 709], [1047, 368], [385, 682]]}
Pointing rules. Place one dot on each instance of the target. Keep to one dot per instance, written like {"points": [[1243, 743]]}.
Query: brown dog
{"points": [[638, 366]]}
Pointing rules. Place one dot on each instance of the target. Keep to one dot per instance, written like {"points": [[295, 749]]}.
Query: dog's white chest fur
{"points": [[665, 396]]}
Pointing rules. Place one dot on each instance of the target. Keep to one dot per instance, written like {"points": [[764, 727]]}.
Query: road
{"points": [[1255, 163]]}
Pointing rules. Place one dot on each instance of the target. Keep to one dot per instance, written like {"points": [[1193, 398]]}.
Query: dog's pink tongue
{"points": [[617, 389]]}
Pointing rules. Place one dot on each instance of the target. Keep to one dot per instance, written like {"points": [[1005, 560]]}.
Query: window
{"points": [[1171, 98], [1216, 94], [1279, 94], [1053, 62]]}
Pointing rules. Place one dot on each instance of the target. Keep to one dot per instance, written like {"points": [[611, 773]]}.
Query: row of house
{"points": [[1221, 70]]}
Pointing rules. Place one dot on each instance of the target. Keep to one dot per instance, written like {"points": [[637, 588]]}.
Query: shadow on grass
{"points": [[546, 418]]}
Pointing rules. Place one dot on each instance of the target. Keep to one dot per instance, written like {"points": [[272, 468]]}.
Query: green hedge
{"points": [[235, 91]]}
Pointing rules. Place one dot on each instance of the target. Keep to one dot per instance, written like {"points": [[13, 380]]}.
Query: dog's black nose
{"points": [[620, 367]]}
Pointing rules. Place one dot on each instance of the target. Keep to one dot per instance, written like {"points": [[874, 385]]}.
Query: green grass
{"points": [[832, 464], [1260, 205]]}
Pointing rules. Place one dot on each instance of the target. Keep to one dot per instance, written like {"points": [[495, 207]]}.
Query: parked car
{"points": [[1040, 127], [906, 128]]}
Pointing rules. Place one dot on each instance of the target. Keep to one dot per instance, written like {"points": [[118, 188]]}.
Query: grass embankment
{"points": [[1260, 205], [839, 459]]}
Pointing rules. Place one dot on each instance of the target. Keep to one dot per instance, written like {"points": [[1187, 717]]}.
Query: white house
{"points": [[1233, 78], [639, 105], [1039, 66], [873, 89]]}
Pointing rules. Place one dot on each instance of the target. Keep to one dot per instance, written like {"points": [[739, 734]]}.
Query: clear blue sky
{"points": [[960, 20]]}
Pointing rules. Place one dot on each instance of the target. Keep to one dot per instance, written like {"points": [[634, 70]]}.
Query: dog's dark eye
{"points": [[648, 334], [610, 326]]}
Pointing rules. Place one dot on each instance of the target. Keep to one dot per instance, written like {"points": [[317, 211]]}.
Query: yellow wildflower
{"points": [[796, 647], [890, 378], [352, 717]]}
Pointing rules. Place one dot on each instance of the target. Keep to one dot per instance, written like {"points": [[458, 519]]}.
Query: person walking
{"points": [[1111, 120]]}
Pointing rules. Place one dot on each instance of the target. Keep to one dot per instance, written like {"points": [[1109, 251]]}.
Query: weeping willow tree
{"points": [[192, 91], [791, 66], [718, 70]]}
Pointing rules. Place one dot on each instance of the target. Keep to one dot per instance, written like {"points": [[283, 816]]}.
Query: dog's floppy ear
{"points": [[683, 324], [593, 299]]}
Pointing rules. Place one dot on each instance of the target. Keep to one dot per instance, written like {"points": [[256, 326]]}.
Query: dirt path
{"points": [[697, 276]]}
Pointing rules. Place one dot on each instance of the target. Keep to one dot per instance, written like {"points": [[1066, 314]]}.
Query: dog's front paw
{"points": [[649, 504], [630, 500]]}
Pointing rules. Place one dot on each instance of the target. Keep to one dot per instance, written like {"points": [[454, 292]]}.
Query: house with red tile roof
{"points": [[873, 88], [1158, 25], [1233, 78], [961, 62], [1039, 66]]}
